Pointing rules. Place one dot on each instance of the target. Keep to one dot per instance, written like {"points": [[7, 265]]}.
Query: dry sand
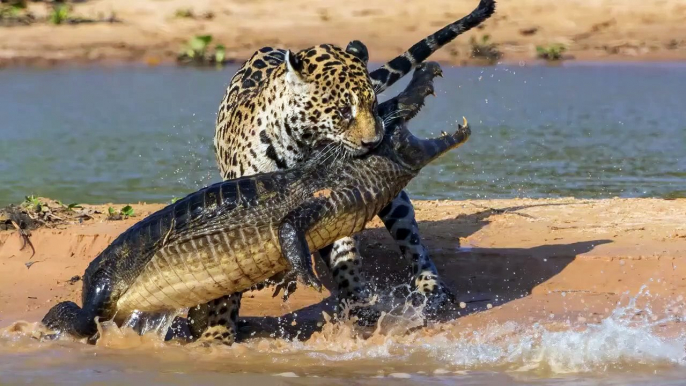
{"points": [[603, 30], [526, 259]]}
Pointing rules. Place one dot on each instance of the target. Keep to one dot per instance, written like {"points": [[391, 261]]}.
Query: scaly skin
{"points": [[231, 235]]}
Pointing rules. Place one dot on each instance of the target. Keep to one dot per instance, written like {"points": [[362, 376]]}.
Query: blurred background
{"points": [[115, 100]]}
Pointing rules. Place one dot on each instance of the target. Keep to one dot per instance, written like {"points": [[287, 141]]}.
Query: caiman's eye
{"points": [[346, 112]]}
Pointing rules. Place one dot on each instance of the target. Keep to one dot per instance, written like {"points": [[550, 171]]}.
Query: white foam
{"points": [[625, 338]]}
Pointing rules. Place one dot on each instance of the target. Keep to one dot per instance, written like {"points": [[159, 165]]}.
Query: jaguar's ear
{"points": [[359, 50], [294, 65]]}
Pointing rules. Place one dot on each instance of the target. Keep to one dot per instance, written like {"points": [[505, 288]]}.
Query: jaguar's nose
{"points": [[371, 145]]}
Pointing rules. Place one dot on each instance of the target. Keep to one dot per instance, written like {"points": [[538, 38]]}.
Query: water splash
{"points": [[630, 338]]}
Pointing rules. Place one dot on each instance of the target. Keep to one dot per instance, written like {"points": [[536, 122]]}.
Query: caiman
{"points": [[234, 234]]}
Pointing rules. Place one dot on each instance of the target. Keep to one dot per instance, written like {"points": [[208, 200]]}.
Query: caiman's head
{"points": [[399, 143], [414, 153]]}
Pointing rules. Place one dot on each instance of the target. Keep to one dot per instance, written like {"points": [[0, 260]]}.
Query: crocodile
{"points": [[230, 235]]}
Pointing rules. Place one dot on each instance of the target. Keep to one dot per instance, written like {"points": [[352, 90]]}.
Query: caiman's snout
{"points": [[417, 153]]}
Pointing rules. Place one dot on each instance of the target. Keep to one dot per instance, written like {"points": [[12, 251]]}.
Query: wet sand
{"points": [[596, 30], [524, 258]]}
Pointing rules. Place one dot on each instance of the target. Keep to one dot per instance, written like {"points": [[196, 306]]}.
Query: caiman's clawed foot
{"points": [[294, 243], [309, 278], [286, 283], [289, 282], [408, 104]]}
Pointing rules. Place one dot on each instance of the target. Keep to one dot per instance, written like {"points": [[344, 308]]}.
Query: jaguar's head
{"points": [[333, 98]]}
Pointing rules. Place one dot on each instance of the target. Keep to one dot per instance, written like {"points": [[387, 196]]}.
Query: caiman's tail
{"points": [[390, 72], [416, 153], [70, 318]]}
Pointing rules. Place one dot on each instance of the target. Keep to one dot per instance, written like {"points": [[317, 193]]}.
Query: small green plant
{"points": [[551, 52], [15, 12], [59, 14], [9, 11], [73, 206], [174, 199], [32, 202], [485, 49], [219, 53], [184, 13], [197, 46], [69, 207], [124, 212], [197, 51]]}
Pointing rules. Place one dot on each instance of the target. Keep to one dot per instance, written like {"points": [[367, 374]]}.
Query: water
{"points": [[624, 348], [131, 134]]}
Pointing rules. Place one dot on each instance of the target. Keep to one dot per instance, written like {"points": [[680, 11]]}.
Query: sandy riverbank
{"points": [[598, 30], [527, 259]]}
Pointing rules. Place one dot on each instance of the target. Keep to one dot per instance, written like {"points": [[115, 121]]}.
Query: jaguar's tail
{"points": [[390, 72]]}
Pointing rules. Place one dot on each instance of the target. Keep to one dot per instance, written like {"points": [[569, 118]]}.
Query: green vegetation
{"points": [[198, 52], [484, 49], [174, 199], [33, 203], [73, 206], [69, 207], [552, 52], [59, 14], [125, 212], [186, 13], [219, 53], [15, 13], [197, 46]]}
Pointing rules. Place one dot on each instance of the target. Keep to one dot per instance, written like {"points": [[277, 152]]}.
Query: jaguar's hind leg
{"points": [[399, 219], [215, 322], [344, 261]]}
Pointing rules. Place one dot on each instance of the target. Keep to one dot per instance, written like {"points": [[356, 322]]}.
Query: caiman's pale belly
{"points": [[191, 272]]}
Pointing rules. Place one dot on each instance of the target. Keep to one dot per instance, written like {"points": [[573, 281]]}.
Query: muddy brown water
{"points": [[628, 346]]}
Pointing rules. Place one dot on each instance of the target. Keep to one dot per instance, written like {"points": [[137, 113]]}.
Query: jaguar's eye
{"points": [[346, 112]]}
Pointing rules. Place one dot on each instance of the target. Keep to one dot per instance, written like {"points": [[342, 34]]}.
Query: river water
{"points": [[129, 134]]}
